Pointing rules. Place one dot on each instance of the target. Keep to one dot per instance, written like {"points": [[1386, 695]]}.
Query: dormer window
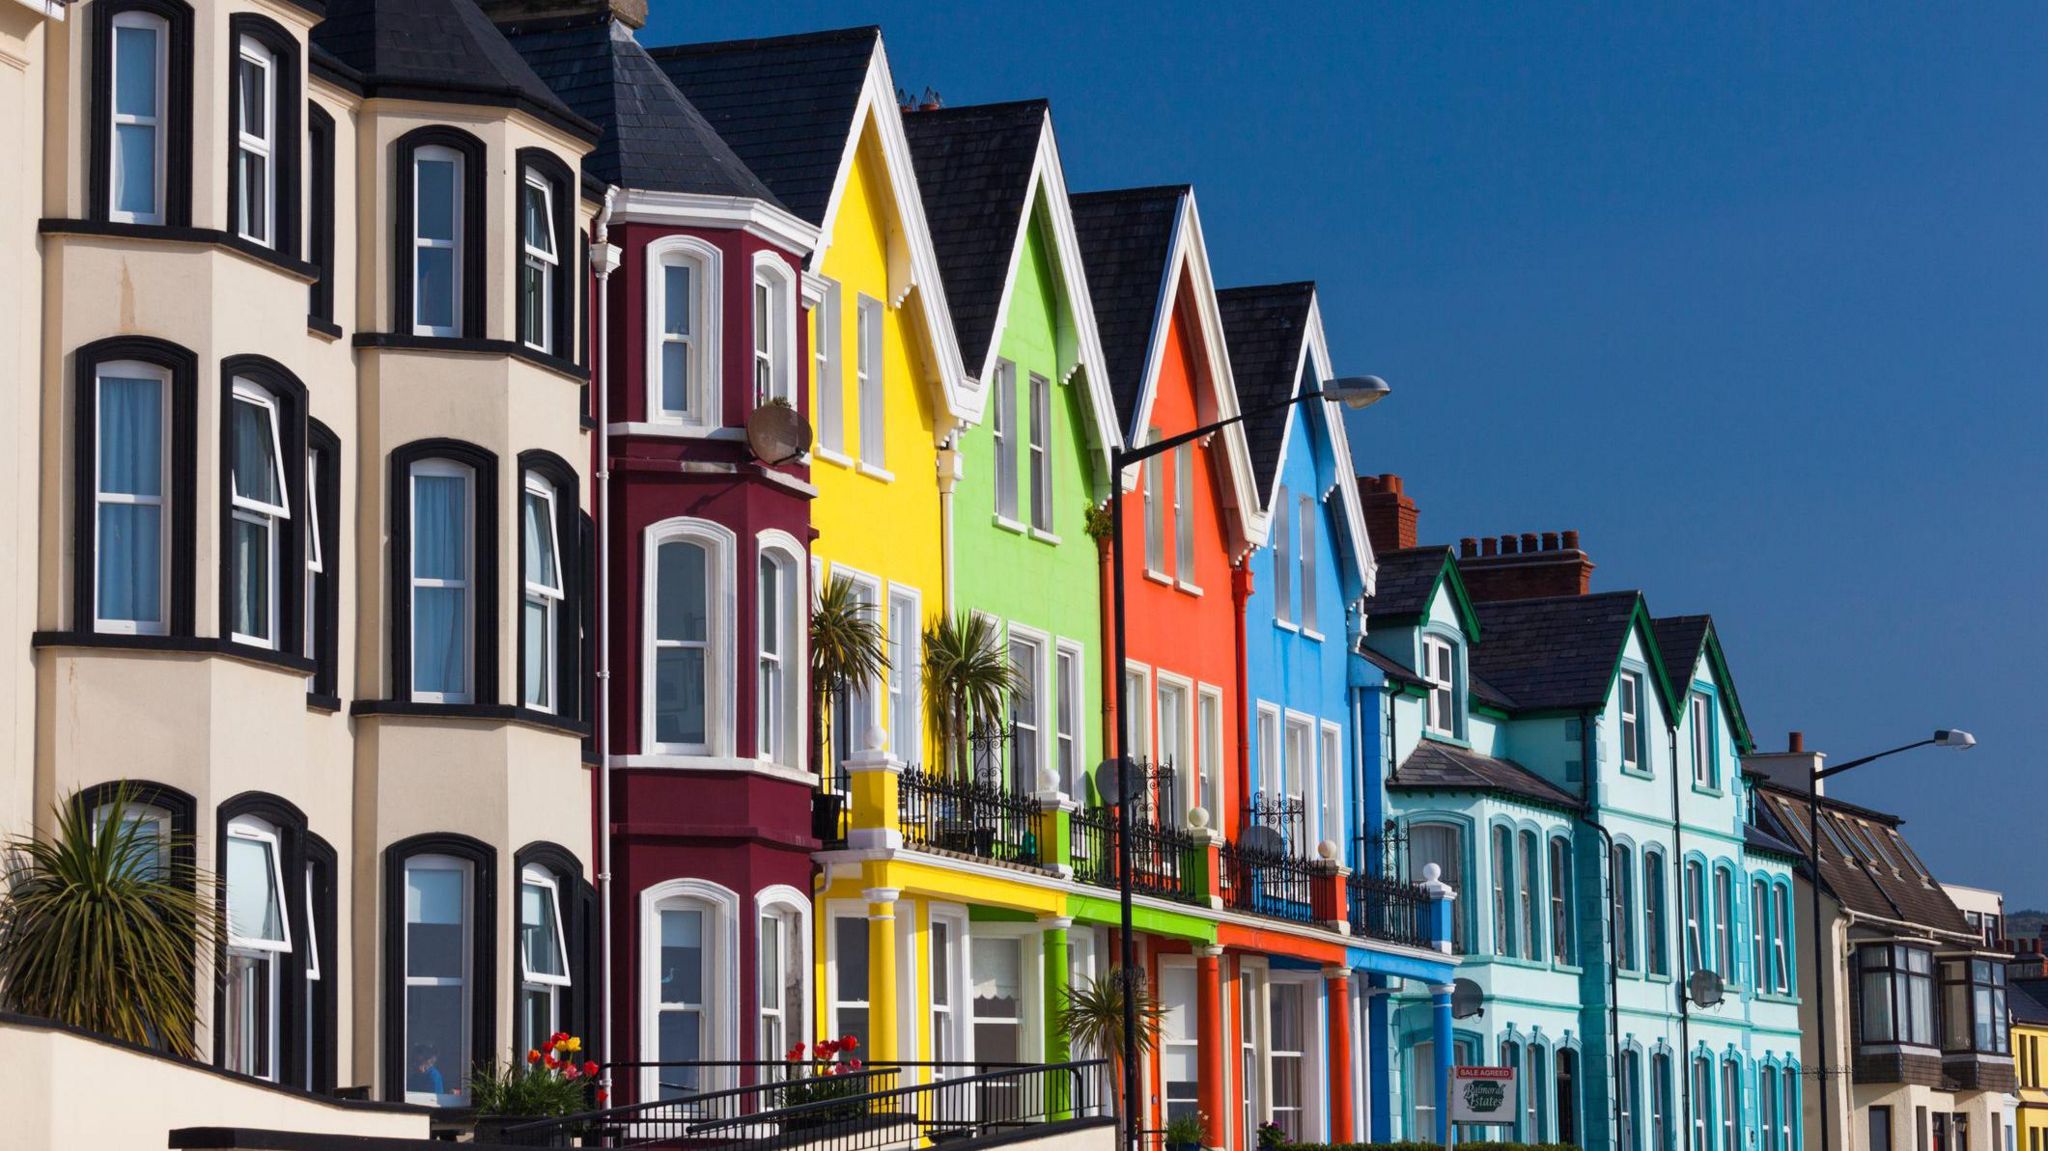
{"points": [[1701, 712], [1440, 669], [1631, 720]]}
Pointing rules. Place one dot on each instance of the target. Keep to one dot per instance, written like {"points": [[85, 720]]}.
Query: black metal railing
{"points": [[1385, 908], [831, 817], [1383, 854], [969, 816], [1286, 814], [1277, 885], [1168, 862], [850, 1111]]}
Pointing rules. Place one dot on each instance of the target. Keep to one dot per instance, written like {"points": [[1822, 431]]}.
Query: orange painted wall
{"points": [[1172, 629]]}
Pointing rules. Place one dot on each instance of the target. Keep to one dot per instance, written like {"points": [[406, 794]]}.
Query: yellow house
{"points": [[2027, 999]]}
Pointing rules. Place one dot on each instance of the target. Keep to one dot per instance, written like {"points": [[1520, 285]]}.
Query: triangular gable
{"points": [[1316, 351], [1731, 703], [1641, 623]]}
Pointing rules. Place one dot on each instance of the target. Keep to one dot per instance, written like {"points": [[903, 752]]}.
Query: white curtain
{"points": [[131, 465], [440, 543]]}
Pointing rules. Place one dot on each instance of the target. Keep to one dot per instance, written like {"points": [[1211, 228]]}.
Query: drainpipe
{"points": [[1589, 763], [949, 469], [604, 259], [1684, 1068]]}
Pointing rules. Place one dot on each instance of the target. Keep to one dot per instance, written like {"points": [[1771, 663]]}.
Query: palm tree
{"points": [[846, 649], [968, 680], [100, 926], [1093, 1021]]}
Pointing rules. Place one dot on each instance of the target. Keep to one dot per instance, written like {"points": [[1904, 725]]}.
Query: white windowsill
{"points": [[1043, 536], [1009, 525], [1285, 625], [1158, 577], [874, 473], [832, 457], [1311, 633], [1191, 589]]}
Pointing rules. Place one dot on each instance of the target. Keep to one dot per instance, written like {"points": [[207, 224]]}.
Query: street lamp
{"points": [[1946, 737], [1353, 392]]}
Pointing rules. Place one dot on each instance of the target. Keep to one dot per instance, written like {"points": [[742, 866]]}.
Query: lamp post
{"points": [[1947, 737], [1352, 392]]}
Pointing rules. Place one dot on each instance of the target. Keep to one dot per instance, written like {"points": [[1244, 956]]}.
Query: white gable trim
{"points": [[962, 398], [757, 218], [1317, 345]]}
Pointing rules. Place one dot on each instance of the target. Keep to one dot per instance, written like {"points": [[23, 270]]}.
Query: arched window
{"points": [[1760, 934], [1782, 950], [1503, 891], [546, 254], [1767, 1106], [778, 687], [543, 957], [1656, 925], [1661, 1112], [688, 638], [1702, 1102], [259, 941], [1731, 1104], [443, 573], [260, 424], [1631, 1101], [263, 134], [689, 990], [1567, 1095], [1526, 871], [1536, 1094], [542, 578], [684, 315], [1621, 877], [130, 497], [440, 931], [1724, 923], [440, 218], [1444, 845], [1511, 1057], [1695, 928], [774, 330], [782, 961], [141, 161]]}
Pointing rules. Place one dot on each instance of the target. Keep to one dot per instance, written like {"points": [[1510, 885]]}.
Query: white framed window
{"points": [[1760, 935], [152, 826], [1330, 784], [782, 949], [1039, 446], [1724, 924], [1440, 669], [258, 937], [130, 509], [1283, 558], [437, 225], [947, 938], [1180, 1053], [1137, 723], [774, 330], [1731, 1105], [1153, 478], [1177, 740], [1298, 766], [1781, 939], [443, 558], [541, 577], [1209, 749], [1069, 683], [905, 675], [1444, 845], [1003, 436], [684, 313], [831, 406], [1287, 1057], [255, 142], [1251, 1043], [1003, 978], [256, 480], [846, 972], [1526, 894], [1693, 900], [540, 262], [543, 958], [689, 980], [1027, 710], [141, 61], [1184, 513], [438, 974], [1631, 720], [1272, 777], [1702, 717], [779, 619], [1306, 545], [871, 384], [689, 637]]}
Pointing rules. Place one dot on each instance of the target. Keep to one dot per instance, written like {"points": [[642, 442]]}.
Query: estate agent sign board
{"points": [[1483, 1095]]}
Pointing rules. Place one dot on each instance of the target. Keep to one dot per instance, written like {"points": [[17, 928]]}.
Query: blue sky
{"points": [[1757, 301]]}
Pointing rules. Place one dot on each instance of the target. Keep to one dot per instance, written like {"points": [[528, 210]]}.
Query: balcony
{"points": [[1276, 884], [1167, 862], [979, 817], [1389, 910]]}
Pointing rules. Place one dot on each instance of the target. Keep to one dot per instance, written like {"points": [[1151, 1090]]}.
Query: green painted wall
{"points": [[1052, 587]]}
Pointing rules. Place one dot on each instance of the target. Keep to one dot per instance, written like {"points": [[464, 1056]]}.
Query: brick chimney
{"points": [[1530, 565], [1389, 514], [631, 13], [1793, 768]]}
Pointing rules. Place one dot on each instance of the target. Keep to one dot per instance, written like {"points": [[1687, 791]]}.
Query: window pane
{"points": [[436, 199], [131, 436], [682, 1040], [540, 542], [434, 297], [850, 943], [433, 922], [251, 566], [135, 81], [433, 1028], [675, 297], [682, 957], [440, 528], [255, 107], [135, 175], [255, 457], [537, 930], [538, 234], [253, 910], [536, 648], [679, 695], [255, 178], [680, 606], [130, 568], [439, 626], [675, 377]]}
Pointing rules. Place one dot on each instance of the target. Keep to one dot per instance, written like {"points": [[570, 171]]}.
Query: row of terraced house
{"points": [[542, 383]]}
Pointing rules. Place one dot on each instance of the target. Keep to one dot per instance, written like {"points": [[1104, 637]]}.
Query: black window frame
{"points": [[569, 614], [564, 308], [320, 178], [284, 158], [290, 395], [292, 1047], [483, 968], [1978, 976], [177, 112], [323, 1048], [484, 566], [325, 498], [180, 533], [471, 314], [579, 1015], [1890, 960]]}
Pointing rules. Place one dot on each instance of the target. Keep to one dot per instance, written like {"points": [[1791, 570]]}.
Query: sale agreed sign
{"points": [[1483, 1095]]}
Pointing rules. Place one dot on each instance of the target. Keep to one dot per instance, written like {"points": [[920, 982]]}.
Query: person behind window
{"points": [[426, 1071]]}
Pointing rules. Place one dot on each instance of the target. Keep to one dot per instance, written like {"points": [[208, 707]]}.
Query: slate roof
{"points": [[1757, 839], [1436, 766], [654, 138], [1264, 327], [1680, 639], [1126, 236], [784, 103], [1880, 874], [1390, 667], [2028, 1001], [437, 49], [1406, 577], [974, 173], [1553, 653]]}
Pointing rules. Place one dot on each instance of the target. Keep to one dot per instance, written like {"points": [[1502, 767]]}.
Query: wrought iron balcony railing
{"points": [[970, 816]]}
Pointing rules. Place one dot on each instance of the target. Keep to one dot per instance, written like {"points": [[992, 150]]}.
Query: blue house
{"points": [[1571, 763]]}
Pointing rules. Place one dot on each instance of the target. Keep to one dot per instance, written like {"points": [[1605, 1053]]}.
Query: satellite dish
{"points": [[776, 433], [1113, 789], [1703, 988], [1259, 839], [1466, 999]]}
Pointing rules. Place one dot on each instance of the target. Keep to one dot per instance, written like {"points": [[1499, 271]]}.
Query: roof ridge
{"points": [[1147, 192], [989, 107], [1558, 599], [825, 36], [555, 23], [1282, 286]]}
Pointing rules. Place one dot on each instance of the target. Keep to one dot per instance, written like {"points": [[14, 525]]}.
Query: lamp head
{"points": [[1356, 391], [1954, 737]]}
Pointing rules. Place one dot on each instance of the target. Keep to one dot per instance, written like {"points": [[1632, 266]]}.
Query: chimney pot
{"points": [[1571, 541], [1489, 546], [631, 13], [1468, 547], [1797, 744], [1550, 541], [1391, 482], [1509, 545], [1529, 541]]}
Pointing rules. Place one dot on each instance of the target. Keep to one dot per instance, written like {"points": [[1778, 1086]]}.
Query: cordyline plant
{"points": [[552, 1083], [968, 680], [846, 649], [1093, 1021], [101, 923]]}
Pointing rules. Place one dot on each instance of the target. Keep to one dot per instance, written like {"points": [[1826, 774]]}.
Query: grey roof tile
{"points": [[1434, 766], [654, 138], [1264, 327], [974, 173], [1126, 236], [1889, 882], [1680, 639], [1406, 577], [785, 104], [1553, 653]]}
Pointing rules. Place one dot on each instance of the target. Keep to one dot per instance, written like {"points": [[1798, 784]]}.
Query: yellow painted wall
{"points": [[885, 528], [2030, 1059]]}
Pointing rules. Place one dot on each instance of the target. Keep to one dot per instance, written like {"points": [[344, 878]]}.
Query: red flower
{"points": [[590, 1067], [570, 1072], [602, 1095], [853, 1065], [850, 1042], [796, 1051], [551, 1061], [827, 1049], [533, 1056]]}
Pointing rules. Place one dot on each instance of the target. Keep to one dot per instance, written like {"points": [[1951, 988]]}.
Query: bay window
{"points": [[1695, 896], [1724, 924], [1444, 845], [437, 281], [260, 504], [1563, 936], [682, 998], [1781, 939], [436, 1044], [1621, 879], [683, 314], [543, 958], [258, 940], [138, 105], [316, 565], [442, 569], [544, 593], [1503, 891], [1525, 890], [783, 960], [1895, 995], [778, 703], [687, 640], [255, 109], [1973, 1014], [132, 402], [690, 990], [774, 331], [1760, 935], [540, 262]]}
